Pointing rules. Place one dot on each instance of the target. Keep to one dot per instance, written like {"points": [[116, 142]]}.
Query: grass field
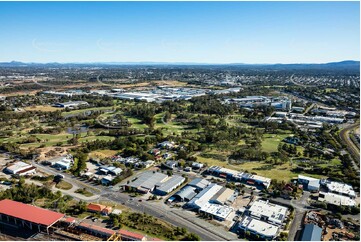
{"points": [[64, 185], [54, 139], [170, 127], [280, 172], [84, 192], [101, 154], [84, 110], [270, 142], [43, 108]]}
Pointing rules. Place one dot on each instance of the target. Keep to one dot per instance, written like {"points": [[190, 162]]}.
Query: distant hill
{"points": [[342, 65]]}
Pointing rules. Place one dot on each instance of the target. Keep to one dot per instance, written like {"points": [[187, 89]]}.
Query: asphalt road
{"points": [[351, 147]]}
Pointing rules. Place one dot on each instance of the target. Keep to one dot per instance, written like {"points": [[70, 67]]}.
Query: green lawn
{"points": [[64, 185], [84, 110], [84, 192], [270, 142]]}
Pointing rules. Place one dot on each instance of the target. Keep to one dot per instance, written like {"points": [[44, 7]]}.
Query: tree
{"points": [[191, 237]]}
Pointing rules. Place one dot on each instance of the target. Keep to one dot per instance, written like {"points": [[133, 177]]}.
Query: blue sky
{"points": [[207, 32]]}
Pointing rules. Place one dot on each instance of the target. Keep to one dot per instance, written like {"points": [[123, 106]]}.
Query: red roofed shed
{"points": [[131, 236], [27, 215]]}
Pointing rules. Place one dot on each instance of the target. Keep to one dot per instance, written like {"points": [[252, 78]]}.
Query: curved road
{"points": [[351, 147]]}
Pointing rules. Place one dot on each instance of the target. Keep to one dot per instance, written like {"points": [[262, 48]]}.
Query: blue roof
{"points": [[311, 232]]}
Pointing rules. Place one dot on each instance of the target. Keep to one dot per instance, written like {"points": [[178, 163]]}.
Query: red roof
{"points": [[29, 213], [131, 234], [95, 207], [99, 208], [69, 220], [97, 228]]}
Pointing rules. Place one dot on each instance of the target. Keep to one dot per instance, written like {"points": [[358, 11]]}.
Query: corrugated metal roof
{"points": [[148, 180], [186, 192], [29, 213], [171, 183], [311, 232], [199, 183], [222, 195]]}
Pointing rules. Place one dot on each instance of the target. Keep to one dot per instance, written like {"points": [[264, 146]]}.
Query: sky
{"points": [[201, 32]]}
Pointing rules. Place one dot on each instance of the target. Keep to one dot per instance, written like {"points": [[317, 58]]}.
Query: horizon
{"points": [[258, 33], [173, 63]]}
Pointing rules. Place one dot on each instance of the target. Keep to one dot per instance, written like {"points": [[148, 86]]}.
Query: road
{"points": [[159, 210], [351, 147]]}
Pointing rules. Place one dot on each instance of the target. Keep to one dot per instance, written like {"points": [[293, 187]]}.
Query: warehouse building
{"points": [[204, 196], [216, 211], [185, 194], [72, 104], [146, 182], [61, 162], [199, 183], [233, 175], [223, 196], [312, 232], [169, 185], [28, 216], [268, 212], [309, 183], [21, 168], [264, 230], [336, 199], [339, 188]]}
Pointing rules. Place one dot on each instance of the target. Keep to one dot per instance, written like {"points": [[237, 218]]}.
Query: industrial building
{"points": [[185, 194], [62, 162], [21, 168], [71, 104], [169, 185], [108, 233], [339, 188], [146, 181], [28, 216], [223, 196], [211, 201], [268, 212], [199, 183], [233, 175], [216, 211], [156, 182], [336, 199], [312, 232], [257, 227], [309, 183]]}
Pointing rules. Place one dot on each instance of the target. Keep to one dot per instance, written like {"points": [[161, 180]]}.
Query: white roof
{"points": [[274, 212], [18, 166], [217, 210], [259, 227], [339, 187], [337, 199], [108, 178], [61, 163], [205, 195], [307, 178], [266, 181]]}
